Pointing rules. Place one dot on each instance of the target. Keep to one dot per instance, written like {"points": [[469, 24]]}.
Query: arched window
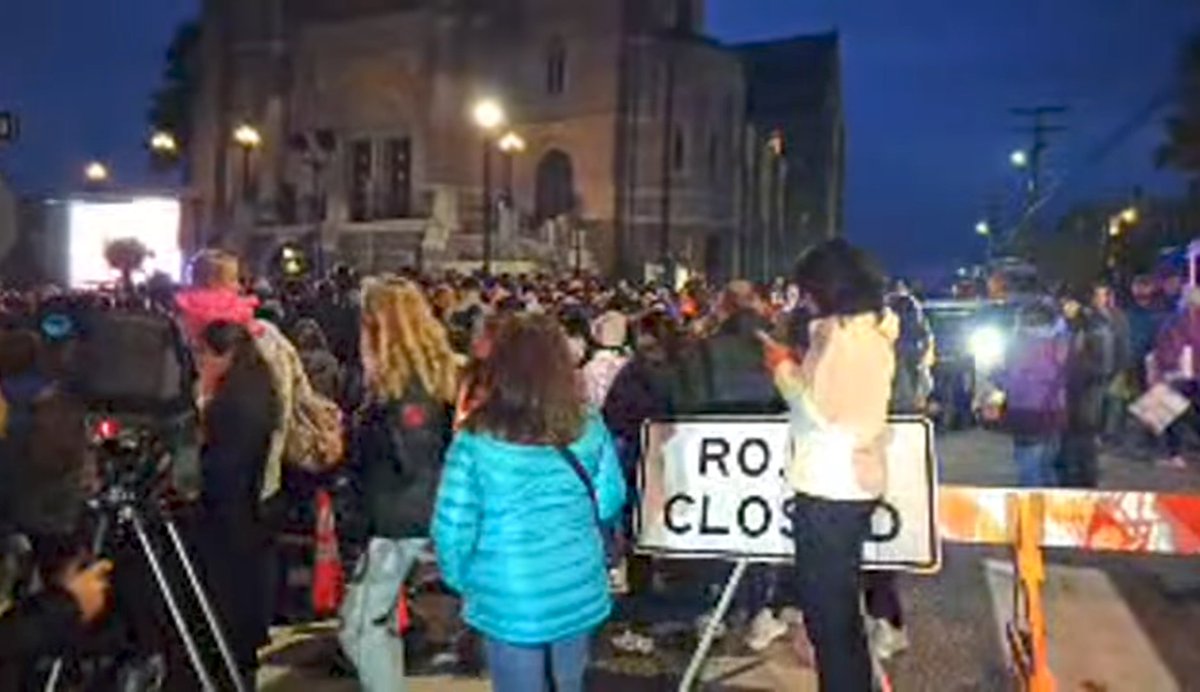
{"points": [[555, 194], [556, 66]]}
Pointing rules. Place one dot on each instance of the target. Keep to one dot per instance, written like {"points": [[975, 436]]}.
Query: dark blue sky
{"points": [[928, 84]]}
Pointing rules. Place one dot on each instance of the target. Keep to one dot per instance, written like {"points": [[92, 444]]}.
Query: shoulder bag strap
{"points": [[584, 477]]}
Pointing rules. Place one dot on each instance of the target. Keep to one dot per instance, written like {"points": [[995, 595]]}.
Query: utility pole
{"points": [[1038, 126]]}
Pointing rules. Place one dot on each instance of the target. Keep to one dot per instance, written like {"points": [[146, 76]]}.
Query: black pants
{"points": [[1078, 460], [883, 598], [829, 537]]}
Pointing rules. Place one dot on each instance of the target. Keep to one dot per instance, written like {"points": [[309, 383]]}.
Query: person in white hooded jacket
{"points": [[837, 397]]}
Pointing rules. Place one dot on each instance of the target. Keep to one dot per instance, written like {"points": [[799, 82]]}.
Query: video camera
{"points": [[131, 368]]}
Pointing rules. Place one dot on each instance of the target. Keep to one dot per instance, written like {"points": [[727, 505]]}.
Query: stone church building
{"points": [[632, 141]]}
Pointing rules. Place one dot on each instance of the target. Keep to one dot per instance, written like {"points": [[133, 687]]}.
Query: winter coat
{"points": [[44, 467], [838, 402], [200, 307], [41, 627], [726, 372], [913, 380], [600, 371], [1180, 332], [1034, 380], [1089, 365], [397, 449], [642, 391], [324, 373], [1120, 333], [1144, 325], [238, 425], [516, 535]]}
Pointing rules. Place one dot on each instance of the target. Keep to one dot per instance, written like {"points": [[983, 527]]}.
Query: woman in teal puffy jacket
{"points": [[527, 484]]}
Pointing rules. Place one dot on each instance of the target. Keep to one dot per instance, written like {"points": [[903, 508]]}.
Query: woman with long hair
{"points": [[838, 399], [529, 482], [238, 421], [399, 437]]}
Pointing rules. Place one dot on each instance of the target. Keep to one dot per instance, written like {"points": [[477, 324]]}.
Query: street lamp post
{"points": [[164, 144], [510, 144], [248, 139], [984, 229], [489, 116], [1117, 225], [96, 173]]}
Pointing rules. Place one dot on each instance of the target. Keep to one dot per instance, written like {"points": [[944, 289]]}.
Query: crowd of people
{"points": [[494, 423], [1075, 366]]}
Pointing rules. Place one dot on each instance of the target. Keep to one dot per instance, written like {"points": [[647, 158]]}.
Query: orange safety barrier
{"points": [[1030, 520]]}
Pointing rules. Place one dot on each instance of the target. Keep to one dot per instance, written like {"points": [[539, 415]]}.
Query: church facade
{"points": [[629, 141]]}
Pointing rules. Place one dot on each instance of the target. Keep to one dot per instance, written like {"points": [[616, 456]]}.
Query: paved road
{"points": [[1116, 622]]}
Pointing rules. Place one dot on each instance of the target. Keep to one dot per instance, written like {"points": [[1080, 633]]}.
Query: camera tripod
{"points": [[122, 504]]}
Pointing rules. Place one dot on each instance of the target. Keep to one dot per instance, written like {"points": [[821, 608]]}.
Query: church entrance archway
{"points": [[555, 194]]}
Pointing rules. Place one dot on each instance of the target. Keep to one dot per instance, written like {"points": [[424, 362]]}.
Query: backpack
{"points": [[310, 435], [314, 434]]}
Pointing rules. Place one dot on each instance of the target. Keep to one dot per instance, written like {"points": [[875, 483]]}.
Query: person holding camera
{"points": [[837, 397]]}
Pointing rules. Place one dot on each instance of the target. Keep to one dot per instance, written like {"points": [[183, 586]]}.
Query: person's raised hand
{"points": [[774, 353], [90, 587]]}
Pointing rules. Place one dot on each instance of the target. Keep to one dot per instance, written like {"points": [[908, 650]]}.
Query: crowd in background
{"points": [[494, 421], [1078, 362]]}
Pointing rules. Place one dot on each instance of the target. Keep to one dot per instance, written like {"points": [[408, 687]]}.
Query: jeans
{"points": [[368, 634], [829, 536], [1035, 458], [558, 666]]}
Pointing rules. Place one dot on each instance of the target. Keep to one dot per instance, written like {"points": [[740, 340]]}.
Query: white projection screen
{"points": [[91, 225]]}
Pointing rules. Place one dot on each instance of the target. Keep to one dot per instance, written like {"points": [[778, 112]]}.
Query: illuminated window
{"points": [[556, 67]]}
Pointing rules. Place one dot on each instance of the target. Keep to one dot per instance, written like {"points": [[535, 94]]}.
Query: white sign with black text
{"points": [[714, 487]]}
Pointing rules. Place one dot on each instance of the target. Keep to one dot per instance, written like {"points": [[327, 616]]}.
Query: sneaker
{"points": [[887, 641], [632, 642], [764, 630], [792, 617], [1175, 463], [702, 625]]}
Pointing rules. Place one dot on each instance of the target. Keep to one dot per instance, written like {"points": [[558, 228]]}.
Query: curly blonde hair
{"points": [[401, 340]]}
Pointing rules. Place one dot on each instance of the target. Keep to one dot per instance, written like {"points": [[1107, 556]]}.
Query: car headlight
{"points": [[987, 347]]}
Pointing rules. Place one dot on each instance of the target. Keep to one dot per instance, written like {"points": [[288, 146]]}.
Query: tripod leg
{"points": [[209, 614], [98, 538], [164, 586]]}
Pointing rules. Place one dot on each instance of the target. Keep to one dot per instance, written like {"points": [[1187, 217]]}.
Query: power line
{"points": [[1039, 127], [1106, 146]]}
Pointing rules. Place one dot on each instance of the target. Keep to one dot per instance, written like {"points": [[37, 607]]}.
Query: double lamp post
{"points": [[490, 117]]}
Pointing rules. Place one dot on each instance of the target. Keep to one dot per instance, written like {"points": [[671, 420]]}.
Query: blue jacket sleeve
{"points": [[610, 480], [457, 517]]}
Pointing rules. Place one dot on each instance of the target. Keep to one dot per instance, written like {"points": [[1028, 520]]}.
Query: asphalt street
{"points": [[1116, 622]]}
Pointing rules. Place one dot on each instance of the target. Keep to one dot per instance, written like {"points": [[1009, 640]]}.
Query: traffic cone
{"points": [[403, 614], [329, 577]]}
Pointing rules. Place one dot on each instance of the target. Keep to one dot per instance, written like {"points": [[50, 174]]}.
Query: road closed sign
{"points": [[714, 487]]}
